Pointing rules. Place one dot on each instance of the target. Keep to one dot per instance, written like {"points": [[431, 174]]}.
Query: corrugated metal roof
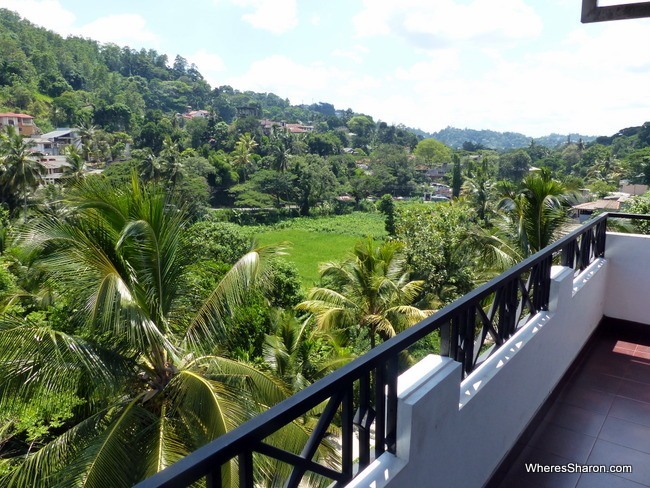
{"points": [[599, 205], [57, 133]]}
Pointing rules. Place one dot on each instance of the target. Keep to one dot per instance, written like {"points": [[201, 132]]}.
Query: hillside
{"points": [[490, 139], [61, 81]]}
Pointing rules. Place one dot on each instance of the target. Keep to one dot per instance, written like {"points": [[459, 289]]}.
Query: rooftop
{"points": [[19, 116]]}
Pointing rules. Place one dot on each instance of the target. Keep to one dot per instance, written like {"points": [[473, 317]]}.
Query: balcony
{"points": [[524, 374]]}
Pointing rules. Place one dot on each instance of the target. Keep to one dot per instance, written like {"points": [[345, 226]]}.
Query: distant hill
{"points": [[490, 139]]}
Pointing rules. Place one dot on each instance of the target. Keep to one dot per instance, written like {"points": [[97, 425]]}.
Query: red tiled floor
{"points": [[600, 417]]}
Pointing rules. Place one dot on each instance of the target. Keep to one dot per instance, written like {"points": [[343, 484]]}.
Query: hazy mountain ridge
{"points": [[491, 139]]}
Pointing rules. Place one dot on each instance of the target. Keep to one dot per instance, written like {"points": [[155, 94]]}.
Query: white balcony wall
{"points": [[628, 284], [451, 435]]}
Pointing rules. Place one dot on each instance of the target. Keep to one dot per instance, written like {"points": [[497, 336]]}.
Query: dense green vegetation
{"points": [[215, 266], [312, 241]]}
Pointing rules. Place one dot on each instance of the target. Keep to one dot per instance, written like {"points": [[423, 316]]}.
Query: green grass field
{"points": [[316, 240]]}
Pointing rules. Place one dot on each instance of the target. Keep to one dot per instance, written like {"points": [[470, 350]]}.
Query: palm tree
{"points": [[299, 355], [370, 291], [22, 167], [241, 156], [76, 168], [480, 189], [280, 148], [87, 135], [172, 161], [535, 213], [150, 165], [152, 383]]}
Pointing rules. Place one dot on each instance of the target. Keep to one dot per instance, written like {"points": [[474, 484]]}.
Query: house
{"points": [[54, 168], [299, 128], [269, 125], [193, 114], [23, 122], [437, 173], [54, 143]]}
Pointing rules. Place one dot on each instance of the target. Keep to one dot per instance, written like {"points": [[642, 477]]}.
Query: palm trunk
{"points": [[24, 204]]}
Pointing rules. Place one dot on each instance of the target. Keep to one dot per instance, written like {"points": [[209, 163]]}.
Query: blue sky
{"points": [[509, 65]]}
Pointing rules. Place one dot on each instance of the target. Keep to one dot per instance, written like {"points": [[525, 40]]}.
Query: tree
{"points": [[514, 166], [392, 166], [153, 384], [433, 152], [299, 355], [21, 167], [435, 239], [370, 291], [76, 166], [456, 179], [535, 213], [241, 156], [173, 168], [386, 206], [314, 181], [362, 126]]}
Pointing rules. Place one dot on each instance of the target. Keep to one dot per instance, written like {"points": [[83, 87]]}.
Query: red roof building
{"points": [[24, 123]]}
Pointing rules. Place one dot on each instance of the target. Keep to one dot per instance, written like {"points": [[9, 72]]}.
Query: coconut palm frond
{"points": [[207, 326], [111, 458], [77, 451], [35, 358], [165, 442]]}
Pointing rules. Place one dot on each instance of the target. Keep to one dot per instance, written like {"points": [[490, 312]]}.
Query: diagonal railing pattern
{"points": [[361, 397]]}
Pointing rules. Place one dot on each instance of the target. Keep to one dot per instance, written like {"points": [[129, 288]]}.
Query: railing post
{"points": [[347, 434], [246, 470], [569, 254], [601, 237], [363, 420], [391, 404]]}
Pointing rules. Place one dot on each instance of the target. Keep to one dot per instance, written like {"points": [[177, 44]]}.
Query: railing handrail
{"points": [[203, 461]]}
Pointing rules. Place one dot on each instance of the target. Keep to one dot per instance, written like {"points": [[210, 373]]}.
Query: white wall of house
{"points": [[451, 435]]}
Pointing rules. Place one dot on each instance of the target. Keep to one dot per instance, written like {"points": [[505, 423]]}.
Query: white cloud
{"points": [[210, 65], [305, 83], [45, 13], [276, 16], [355, 53], [121, 29], [448, 22], [594, 83]]}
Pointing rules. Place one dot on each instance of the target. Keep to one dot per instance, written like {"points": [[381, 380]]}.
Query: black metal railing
{"points": [[362, 396]]}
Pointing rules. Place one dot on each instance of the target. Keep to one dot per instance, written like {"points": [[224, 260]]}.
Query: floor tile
{"points": [[576, 418], [634, 390], [638, 370], [607, 453], [631, 410], [588, 398], [616, 365], [605, 480], [562, 442], [600, 417], [520, 477], [597, 381], [628, 434]]}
